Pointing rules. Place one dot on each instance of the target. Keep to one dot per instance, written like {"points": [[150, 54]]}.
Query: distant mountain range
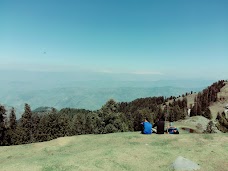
{"points": [[61, 90], [91, 98]]}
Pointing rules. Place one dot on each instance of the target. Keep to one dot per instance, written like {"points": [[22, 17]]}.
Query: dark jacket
{"points": [[160, 127]]}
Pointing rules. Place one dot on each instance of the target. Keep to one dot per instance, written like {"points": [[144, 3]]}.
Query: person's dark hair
{"points": [[161, 118], [146, 118]]}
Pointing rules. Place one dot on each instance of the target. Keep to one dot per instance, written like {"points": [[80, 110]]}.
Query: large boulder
{"points": [[183, 164]]}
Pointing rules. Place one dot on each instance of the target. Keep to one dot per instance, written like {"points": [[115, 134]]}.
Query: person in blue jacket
{"points": [[172, 129], [146, 127]]}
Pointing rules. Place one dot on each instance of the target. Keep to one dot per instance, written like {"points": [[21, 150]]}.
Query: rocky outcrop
{"points": [[183, 164]]}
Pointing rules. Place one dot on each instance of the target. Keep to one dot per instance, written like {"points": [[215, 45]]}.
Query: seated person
{"points": [[172, 129], [146, 127], [160, 124], [154, 130]]}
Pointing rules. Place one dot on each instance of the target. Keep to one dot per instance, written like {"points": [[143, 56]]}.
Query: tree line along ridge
{"points": [[45, 124]]}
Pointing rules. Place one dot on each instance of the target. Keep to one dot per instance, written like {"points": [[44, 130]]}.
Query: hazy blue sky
{"points": [[155, 39]]}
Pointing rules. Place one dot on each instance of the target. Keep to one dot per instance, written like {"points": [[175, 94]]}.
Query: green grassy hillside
{"points": [[119, 151]]}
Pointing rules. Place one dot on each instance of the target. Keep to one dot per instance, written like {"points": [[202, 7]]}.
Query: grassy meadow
{"points": [[118, 151]]}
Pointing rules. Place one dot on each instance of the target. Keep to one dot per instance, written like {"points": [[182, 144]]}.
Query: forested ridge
{"points": [[44, 124]]}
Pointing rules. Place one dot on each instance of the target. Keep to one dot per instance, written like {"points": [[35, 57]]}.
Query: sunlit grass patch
{"points": [[120, 151], [208, 136]]}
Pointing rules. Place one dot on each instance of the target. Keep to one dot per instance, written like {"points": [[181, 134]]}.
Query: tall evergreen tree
{"points": [[35, 124], [42, 129], [184, 102], [12, 135], [179, 114], [63, 125], [79, 124], [111, 118], [12, 119], [26, 125], [207, 114], [2, 125], [172, 116]]}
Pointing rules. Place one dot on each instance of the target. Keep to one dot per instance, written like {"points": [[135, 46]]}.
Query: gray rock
{"points": [[183, 164]]}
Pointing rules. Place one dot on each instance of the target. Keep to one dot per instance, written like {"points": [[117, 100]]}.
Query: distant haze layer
{"points": [[66, 90]]}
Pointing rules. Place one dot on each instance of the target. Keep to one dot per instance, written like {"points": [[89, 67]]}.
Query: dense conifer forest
{"points": [[44, 124]]}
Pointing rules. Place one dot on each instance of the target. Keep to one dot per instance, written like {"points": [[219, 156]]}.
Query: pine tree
{"points": [[171, 115], [79, 124], [184, 102], [64, 125], [42, 129], [26, 125], [180, 113], [112, 120], [12, 128], [51, 127], [35, 124], [2, 125], [207, 113], [89, 124], [193, 111], [12, 120], [199, 109]]}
